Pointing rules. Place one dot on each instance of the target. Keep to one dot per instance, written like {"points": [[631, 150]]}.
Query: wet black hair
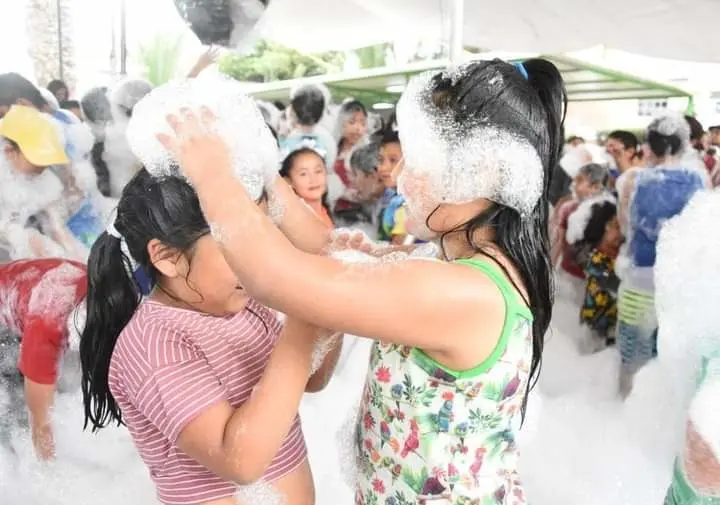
{"points": [[309, 105], [14, 87], [628, 139], [287, 166], [353, 106], [533, 109], [574, 138], [601, 214], [663, 145], [696, 132], [165, 209], [56, 85]]}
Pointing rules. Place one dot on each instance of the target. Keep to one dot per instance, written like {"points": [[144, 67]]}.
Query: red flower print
{"points": [[368, 445], [414, 426], [378, 486], [448, 395], [434, 383], [383, 374], [400, 415], [368, 421]]}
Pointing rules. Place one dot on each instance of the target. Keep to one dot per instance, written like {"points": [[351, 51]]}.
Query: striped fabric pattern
{"points": [[169, 365]]}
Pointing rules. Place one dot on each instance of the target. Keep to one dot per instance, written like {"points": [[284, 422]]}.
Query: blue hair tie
{"points": [[521, 69]]}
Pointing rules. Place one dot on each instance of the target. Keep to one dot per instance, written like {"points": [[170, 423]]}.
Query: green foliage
{"points": [[160, 58], [273, 62]]}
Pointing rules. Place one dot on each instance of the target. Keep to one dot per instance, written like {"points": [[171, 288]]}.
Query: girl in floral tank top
{"points": [[429, 434], [457, 344]]}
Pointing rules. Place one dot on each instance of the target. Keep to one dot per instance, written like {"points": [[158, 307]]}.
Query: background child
{"points": [[392, 221], [304, 169], [206, 379], [589, 181], [38, 297], [602, 238], [31, 199]]}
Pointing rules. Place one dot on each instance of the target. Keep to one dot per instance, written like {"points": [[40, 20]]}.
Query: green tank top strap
{"points": [[514, 303]]}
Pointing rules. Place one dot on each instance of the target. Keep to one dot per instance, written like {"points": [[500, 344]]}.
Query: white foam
{"points": [[253, 149], [464, 163]]}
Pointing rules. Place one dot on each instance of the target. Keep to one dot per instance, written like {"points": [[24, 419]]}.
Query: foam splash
{"points": [[461, 163], [578, 220], [252, 147], [259, 493], [322, 348]]}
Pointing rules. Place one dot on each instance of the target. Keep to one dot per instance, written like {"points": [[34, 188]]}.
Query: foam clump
{"points": [[687, 274], [260, 493], [578, 220], [462, 162], [253, 149]]}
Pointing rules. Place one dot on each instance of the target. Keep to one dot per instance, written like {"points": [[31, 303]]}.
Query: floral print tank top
{"points": [[429, 435]]}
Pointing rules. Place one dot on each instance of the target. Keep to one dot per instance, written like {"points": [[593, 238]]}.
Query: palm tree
{"points": [[49, 34]]}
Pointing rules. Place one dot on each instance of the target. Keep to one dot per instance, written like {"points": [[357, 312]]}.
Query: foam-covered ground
{"points": [[581, 444]]}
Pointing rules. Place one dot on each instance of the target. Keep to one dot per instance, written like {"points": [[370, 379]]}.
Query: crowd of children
{"points": [[182, 343], [606, 230]]}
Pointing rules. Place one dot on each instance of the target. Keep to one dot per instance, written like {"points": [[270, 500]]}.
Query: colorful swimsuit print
{"points": [[430, 435], [599, 310]]}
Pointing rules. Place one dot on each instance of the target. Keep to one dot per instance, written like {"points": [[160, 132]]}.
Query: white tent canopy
{"points": [[680, 29]]}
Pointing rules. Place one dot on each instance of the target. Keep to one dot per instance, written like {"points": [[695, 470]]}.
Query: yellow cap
{"points": [[35, 135]]}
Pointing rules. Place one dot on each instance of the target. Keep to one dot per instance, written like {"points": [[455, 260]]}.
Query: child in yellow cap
{"points": [[32, 142]]}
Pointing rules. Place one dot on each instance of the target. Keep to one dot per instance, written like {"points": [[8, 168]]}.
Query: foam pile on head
{"points": [[465, 156], [238, 121]]}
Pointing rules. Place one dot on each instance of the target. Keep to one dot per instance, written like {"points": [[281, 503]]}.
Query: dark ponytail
{"points": [[531, 105], [112, 298], [164, 209]]}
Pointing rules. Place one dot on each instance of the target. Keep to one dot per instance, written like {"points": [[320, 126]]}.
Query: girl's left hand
{"points": [[201, 153]]}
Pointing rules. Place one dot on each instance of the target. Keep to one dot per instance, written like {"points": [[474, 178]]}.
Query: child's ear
{"points": [[162, 259]]}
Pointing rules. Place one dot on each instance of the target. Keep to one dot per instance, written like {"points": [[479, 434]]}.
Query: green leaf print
{"points": [[415, 481], [493, 391], [371, 498], [411, 392], [376, 395], [428, 396], [401, 500]]}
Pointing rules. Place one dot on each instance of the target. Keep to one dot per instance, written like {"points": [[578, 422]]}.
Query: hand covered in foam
{"points": [[232, 133]]}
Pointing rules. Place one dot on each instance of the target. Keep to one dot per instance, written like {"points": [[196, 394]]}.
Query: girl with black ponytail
{"points": [[458, 342], [206, 379]]}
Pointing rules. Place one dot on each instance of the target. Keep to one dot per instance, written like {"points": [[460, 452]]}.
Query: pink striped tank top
{"points": [[171, 364]]}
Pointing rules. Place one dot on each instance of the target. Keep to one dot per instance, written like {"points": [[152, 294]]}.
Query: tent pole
{"points": [[123, 39], [457, 18]]}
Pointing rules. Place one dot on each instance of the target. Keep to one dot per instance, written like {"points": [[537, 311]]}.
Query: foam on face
{"points": [[462, 163], [23, 195], [252, 147]]}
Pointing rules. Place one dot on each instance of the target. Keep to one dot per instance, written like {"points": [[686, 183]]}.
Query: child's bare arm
{"points": [[239, 444], [39, 399]]}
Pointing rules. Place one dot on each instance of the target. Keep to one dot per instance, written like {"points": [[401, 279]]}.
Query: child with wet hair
{"points": [[465, 343], [304, 169], [206, 378], [647, 200], [39, 299], [393, 216], [589, 182], [32, 207], [600, 241], [351, 131]]}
